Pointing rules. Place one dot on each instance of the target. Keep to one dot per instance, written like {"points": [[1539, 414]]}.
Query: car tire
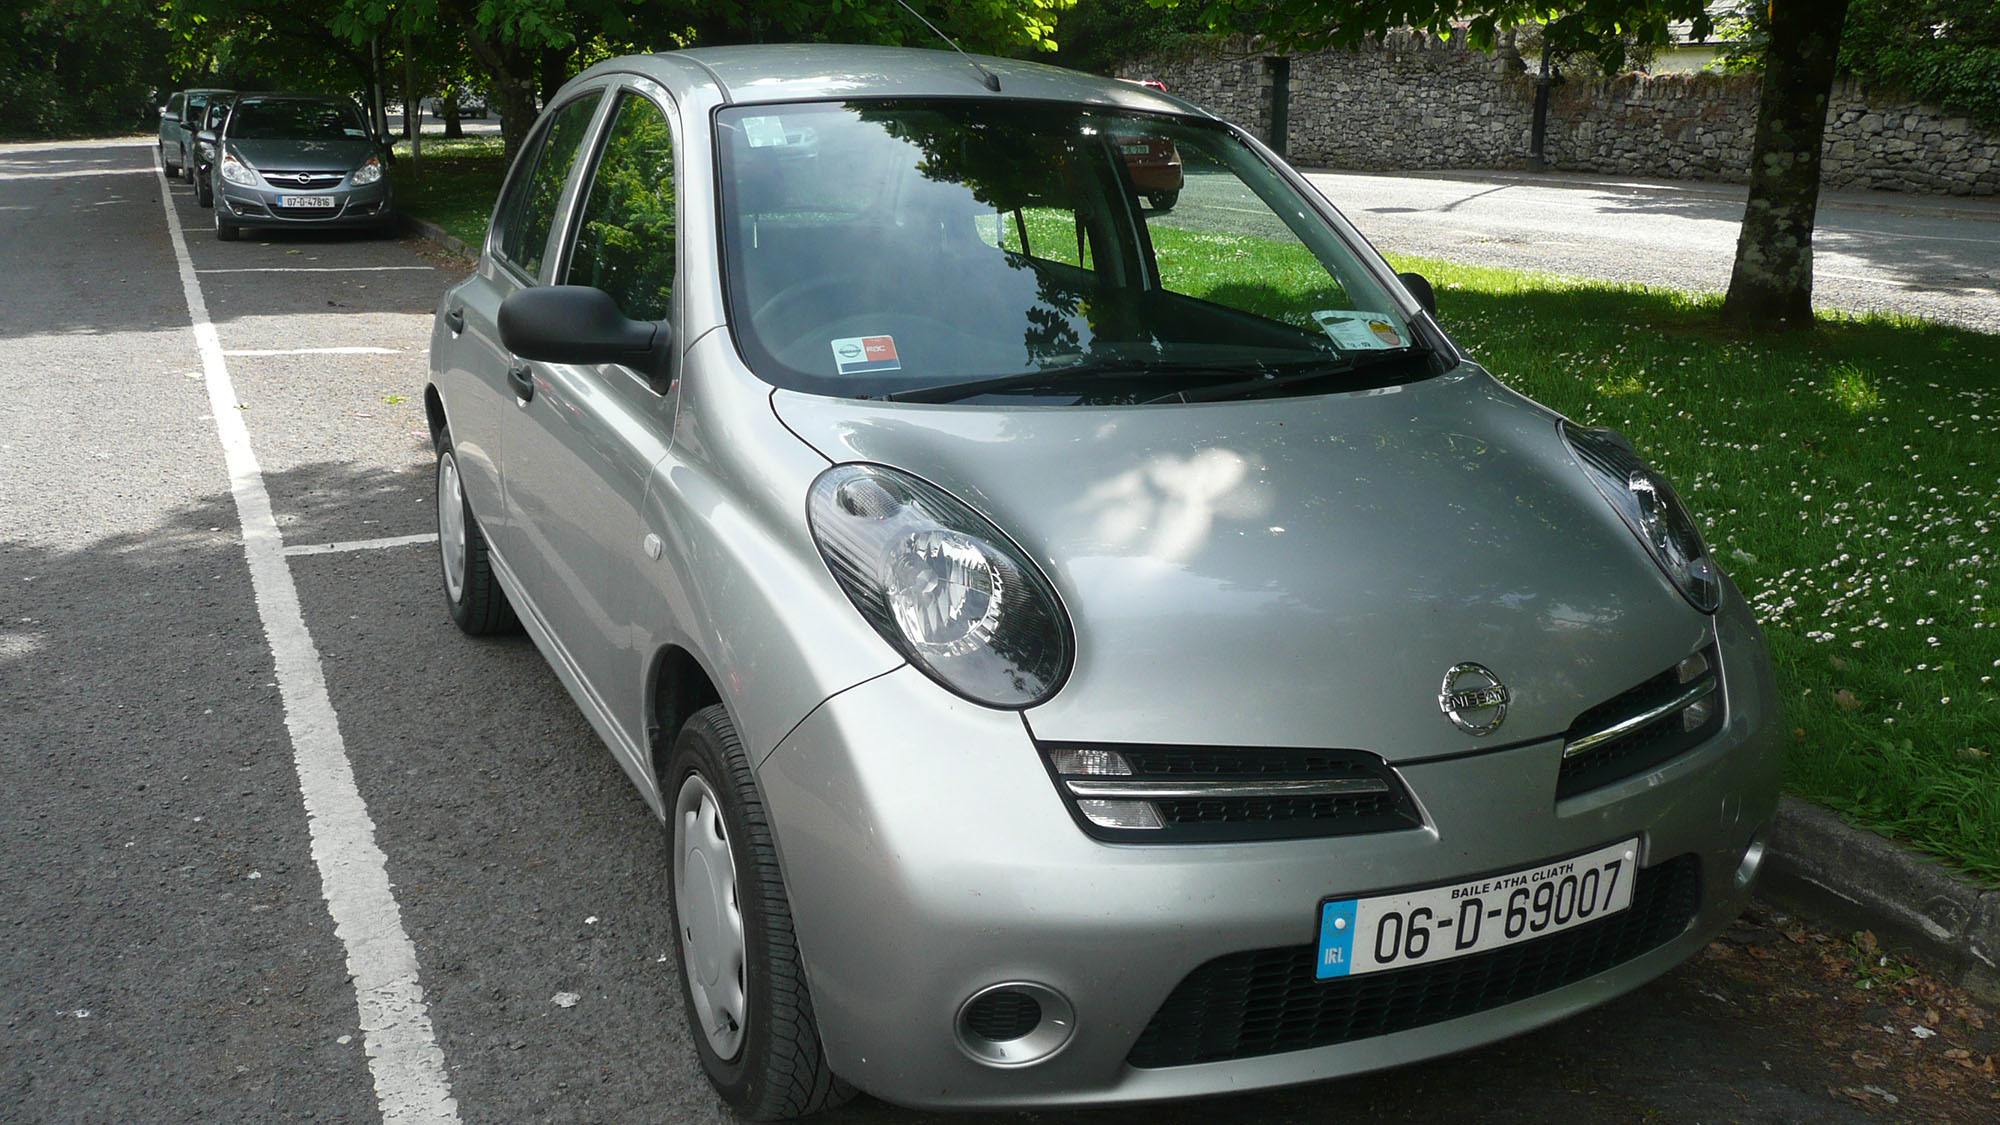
{"points": [[204, 196], [471, 590], [1163, 200], [227, 232], [769, 1064], [172, 169]]}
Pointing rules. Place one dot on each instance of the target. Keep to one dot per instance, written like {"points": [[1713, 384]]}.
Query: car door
{"points": [[170, 125], [476, 375], [577, 470]]}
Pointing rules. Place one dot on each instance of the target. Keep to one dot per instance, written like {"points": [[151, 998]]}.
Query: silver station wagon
{"points": [[1083, 651]]}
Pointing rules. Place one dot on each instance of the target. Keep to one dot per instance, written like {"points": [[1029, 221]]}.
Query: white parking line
{"points": [[316, 269], [361, 545], [312, 351], [403, 1055]]}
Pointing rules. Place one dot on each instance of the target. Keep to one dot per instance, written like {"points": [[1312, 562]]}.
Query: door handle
{"points": [[522, 380], [454, 319]]}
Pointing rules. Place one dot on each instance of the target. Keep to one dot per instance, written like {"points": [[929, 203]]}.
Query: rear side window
{"points": [[175, 103], [529, 210], [625, 242]]}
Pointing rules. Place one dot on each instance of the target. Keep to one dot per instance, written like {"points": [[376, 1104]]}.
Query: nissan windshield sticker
{"points": [[764, 132], [859, 355], [1355, 330]]}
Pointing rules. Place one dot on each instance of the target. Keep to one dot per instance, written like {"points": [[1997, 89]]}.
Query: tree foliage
{"points": [[1945, 52], [79, 66]]}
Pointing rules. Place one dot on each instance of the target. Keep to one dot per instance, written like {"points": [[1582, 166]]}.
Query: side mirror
{"points": [[206, 136], [165, 116], [578, 324], [1420, 288]]}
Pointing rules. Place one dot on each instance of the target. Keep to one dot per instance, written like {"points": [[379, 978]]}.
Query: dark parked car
{"points": [[180, 120], [211, 121], [297, 160]]}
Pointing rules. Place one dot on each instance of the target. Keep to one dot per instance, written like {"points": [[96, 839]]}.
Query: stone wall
{"points": [[1418, 102]]}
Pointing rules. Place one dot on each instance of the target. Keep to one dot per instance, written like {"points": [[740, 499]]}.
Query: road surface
{"points": [[216, 588], [1928, 256]]}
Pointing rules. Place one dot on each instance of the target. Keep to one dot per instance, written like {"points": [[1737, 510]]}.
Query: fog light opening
{"points": [[1753, 858], [1018, 1023]]}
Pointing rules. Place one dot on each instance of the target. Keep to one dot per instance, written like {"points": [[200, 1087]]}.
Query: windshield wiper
{"points": [[1063, 378], [1273, 378]]}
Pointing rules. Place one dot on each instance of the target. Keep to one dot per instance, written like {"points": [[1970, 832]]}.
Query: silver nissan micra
{"points": [[1083, 651]]}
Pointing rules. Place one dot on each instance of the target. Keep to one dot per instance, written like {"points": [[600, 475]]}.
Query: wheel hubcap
{"points": [[713, 954], [451, 526]]}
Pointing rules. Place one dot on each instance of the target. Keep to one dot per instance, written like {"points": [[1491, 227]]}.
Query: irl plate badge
{"points": [[1336, 939]]}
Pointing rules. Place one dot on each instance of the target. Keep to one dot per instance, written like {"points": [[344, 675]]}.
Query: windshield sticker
{"points": [[1354, 330], [858, 355], [764, 132]]}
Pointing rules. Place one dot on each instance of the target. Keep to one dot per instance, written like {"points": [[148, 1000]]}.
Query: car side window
{"points": [[625, 240], [174, 105], [530, 208]]}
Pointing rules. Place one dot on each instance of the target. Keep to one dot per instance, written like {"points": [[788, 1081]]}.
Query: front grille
{"points": [[1223, 794], [1645, 746], [313, 181], [1267, 1001]]}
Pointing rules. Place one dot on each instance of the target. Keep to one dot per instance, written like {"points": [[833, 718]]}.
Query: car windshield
{"points": [[915, 248], [294, 120]]}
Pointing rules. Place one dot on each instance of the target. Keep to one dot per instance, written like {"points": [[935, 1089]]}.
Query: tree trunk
{"points": [[452, 128], [1771, 285], [512, 91], [554, 71]]}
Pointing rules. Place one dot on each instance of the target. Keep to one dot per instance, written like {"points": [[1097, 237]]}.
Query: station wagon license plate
{"points": [[324, 201], [1395, 931]]}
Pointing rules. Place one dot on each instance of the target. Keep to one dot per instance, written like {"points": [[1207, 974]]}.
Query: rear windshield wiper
{"points": [[1274, 378], [1063, 378]]}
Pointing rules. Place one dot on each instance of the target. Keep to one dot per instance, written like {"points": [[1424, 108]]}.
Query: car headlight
{"points": [[1649, 506], [941, 584], [369, 172], [236, 171]]}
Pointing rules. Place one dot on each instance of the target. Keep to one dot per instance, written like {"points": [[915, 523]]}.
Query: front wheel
{"points": [[1164, 200], [472, 592], [204, 195], [227, 232], [743, 985], [172, 169]]}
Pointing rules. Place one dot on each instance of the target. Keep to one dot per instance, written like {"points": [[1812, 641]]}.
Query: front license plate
{"points": [[1393, 931], [307, 201]]}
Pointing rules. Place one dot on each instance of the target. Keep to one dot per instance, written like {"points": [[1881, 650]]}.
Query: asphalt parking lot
{"points": [[174, 829]]}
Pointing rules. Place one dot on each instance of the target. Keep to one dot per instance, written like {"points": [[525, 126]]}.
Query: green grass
{"points": [[454, 185], [1847, 478]]}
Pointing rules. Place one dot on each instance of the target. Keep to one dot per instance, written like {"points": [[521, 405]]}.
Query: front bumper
{"points": [[927, 856], [367, 206]]}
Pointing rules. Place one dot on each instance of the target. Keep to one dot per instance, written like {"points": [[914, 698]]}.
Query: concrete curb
{"points": [[1821, 866], [424, 228]]}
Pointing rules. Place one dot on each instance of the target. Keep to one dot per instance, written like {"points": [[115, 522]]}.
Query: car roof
{"points": [[809, 71], [279, 96]]}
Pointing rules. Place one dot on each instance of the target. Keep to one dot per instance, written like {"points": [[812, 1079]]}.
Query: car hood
{"points": [[1300, 572], [305, 156]]}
